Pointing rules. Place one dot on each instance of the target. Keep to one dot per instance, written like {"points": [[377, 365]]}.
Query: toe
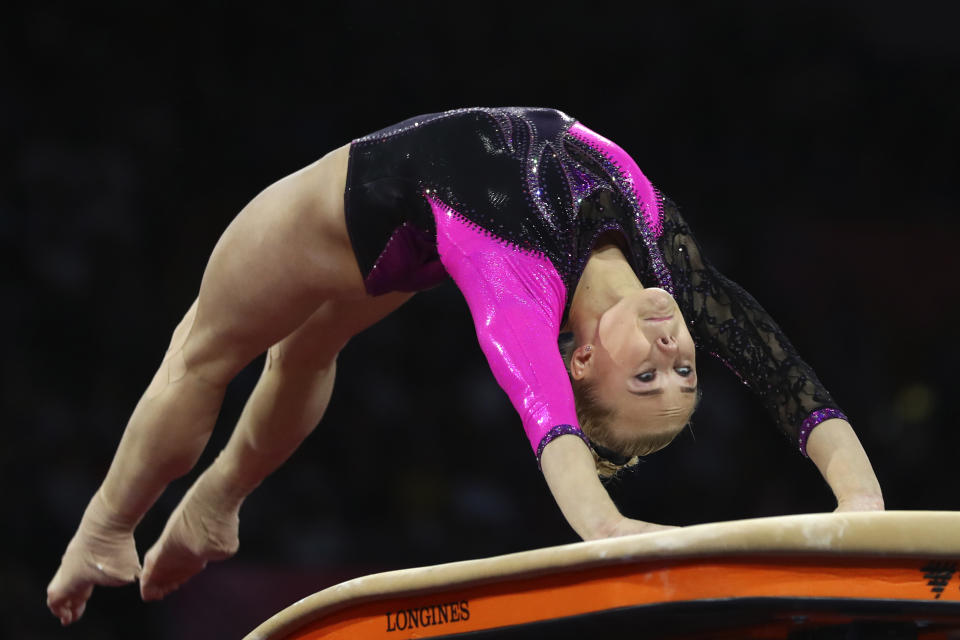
{"points": [[65, 613]]}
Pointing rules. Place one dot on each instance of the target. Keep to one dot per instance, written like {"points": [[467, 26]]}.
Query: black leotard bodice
{"points": [[512, 172]]}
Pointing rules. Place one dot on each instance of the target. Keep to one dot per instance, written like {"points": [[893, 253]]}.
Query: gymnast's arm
{"points": [[571, 473], [516, 301], [835, 449], [729, 323]]}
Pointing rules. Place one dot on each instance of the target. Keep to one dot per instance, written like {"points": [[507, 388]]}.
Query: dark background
{"points": [[811, 145]]}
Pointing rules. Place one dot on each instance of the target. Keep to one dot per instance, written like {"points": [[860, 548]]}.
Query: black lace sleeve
{"points": [[730, 324]]}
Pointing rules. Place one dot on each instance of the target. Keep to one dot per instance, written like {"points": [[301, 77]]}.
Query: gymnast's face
{"points": [[642, 364]]}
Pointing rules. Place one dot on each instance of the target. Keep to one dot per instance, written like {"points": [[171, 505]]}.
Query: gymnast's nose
{"points": [[667, 344]]}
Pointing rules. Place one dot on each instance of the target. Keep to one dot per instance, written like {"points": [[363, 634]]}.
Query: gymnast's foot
{"points": [[203, 528], [101, 553]]}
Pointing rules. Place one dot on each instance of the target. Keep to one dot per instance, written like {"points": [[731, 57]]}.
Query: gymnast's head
{"points": [[634, 380]]}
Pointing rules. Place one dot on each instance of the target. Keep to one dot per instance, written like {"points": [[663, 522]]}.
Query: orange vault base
{"points": [[849, 575]]}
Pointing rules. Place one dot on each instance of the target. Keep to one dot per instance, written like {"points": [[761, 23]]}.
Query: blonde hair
{"points": [[595, 419]]}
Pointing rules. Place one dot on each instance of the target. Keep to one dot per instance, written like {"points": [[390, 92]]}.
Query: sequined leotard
{"points": [[509, 202]]}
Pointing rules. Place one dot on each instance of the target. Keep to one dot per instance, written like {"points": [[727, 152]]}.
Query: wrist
{"points": [[624, 526], [569, 470], [841, 460], [861, 502], [609, 527], [815, 419]]}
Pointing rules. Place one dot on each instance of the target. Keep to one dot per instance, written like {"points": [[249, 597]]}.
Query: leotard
{"points": [[509, 202]]}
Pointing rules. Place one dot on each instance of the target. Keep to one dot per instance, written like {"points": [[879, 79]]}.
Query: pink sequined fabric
{"points": [[516, 299]]}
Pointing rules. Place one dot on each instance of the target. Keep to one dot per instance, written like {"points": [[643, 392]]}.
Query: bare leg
{"points": [[278, 261], [102, 552], [287, 403]]}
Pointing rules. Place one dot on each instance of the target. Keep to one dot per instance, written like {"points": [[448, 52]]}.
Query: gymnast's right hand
{"points": [[628, 527], [102, 552]]}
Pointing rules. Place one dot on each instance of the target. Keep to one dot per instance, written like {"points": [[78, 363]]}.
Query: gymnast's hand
{"points": [[102, 552], [571, 474], [835, 449], [860, 503], [628, 527]]}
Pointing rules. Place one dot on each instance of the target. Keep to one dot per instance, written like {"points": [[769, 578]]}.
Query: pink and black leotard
{"points": [[509, 202]]}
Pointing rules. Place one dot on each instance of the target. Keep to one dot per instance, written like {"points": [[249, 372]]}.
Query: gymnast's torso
{"points": [[510, 202], [531, 177]]}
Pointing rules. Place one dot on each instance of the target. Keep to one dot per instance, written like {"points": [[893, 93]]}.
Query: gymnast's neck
{"points": [[607, 278]]}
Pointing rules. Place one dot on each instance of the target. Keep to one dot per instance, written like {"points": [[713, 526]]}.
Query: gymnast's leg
{"points": [[287, 403], [284, 255]]}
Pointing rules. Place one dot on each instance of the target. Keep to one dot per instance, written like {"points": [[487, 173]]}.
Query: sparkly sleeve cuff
{"points": [[812, 421], [556, 432]]}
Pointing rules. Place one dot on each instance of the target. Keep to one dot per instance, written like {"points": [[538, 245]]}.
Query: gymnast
{"points": [[548, 229]]}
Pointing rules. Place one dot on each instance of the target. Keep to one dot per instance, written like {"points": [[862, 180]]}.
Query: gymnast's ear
{"points": [[581, 361]]}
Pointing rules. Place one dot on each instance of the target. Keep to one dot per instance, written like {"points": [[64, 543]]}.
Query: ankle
{"points": [[102, 516], [224, 484]]}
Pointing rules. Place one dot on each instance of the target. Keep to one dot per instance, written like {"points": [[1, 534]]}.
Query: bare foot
{"points": [[100, 553], [203, 528]]}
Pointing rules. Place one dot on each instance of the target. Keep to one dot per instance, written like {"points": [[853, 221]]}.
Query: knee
{"points": [[214, 357], [197, 350], [182, 330]]}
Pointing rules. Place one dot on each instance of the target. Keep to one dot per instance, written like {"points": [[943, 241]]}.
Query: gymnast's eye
{"points": [[646, 376], [684, 371]]}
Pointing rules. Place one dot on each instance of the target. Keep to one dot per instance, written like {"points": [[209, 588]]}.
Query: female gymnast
{"points": [[546, 228]]}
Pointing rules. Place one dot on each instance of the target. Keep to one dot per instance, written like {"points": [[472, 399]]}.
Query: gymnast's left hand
{"points": [[102, 552], [835, 449]]}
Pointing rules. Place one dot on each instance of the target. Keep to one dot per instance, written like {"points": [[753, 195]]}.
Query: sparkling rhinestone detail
{"points": [[815, 418], [556, 432], [648, 225]]}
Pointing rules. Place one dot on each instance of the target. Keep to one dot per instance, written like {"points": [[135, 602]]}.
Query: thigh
{"points": [[277, 263], [315, 344]]}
